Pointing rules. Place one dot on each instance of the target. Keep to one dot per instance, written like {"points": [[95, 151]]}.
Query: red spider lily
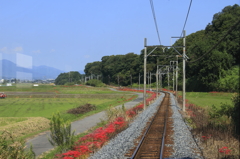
{"points": [[67, 157], [225, 150], [110, 128], [96, 140], [130, 113], [72, 153], [206, 137], [214, 92]]}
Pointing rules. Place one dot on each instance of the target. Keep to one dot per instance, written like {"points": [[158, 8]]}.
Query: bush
{"points": [[235, 112], [61, 134], [229, 111], [95, 83], [69, 83], [11, 148]]}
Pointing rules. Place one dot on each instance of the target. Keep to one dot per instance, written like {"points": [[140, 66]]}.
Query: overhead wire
{"points": [[155, 21], [186, 17]]}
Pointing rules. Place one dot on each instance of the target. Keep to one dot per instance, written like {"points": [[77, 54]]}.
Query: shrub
{"points": [[69, 83], [61, 134], [13, 148], [235, 112], [95, 83], [229, 111]]}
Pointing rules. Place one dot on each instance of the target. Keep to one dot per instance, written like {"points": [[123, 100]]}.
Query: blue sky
{"points": [[68, 34]]}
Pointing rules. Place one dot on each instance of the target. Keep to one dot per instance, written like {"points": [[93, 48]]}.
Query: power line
{"points": [[154, 17], [186, 17], [219, 41]]}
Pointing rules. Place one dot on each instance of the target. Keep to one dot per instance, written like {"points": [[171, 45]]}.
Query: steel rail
{"points": [[163, 137], [164, 134]]}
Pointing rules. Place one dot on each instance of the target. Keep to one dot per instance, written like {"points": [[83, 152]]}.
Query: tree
{"points": [[93, 68], [70, 77]]}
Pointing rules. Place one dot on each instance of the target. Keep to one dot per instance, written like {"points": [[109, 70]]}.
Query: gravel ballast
{"points": [[184, 145]]}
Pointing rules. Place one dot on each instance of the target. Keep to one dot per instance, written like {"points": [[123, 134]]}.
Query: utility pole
{"points": [[177, 77], [150, 81], [184, 53], [173, 78], [160, 80], [139, 76], [157, 80], [168, 75], [145, 71], [184, 60]]}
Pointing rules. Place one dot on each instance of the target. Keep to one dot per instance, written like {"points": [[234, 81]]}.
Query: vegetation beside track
{"points": [[216, 125], [118, 119]]}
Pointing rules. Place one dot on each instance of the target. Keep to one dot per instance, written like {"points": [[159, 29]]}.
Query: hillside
{"points": [[213, 65]]}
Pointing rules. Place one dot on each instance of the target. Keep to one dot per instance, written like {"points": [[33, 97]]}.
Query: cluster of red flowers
{"points": [[189, 109], [214, 92], [206, 137], [133, 90], [95, 140], [225, 150], [133, 111], [73, 85]]}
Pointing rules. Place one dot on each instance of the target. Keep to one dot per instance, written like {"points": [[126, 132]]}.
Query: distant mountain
{"points": [[10, 70], [45, 72]]}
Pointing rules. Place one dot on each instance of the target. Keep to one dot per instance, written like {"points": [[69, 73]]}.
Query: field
{"points": [[207, 99], [80, 89], [30, 108]]}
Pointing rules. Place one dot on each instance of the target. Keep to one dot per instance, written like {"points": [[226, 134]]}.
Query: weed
{"points": [[10, 147], [213, 126], [61, 134]]}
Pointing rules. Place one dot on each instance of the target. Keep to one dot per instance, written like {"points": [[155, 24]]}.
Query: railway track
{"points": [[156, 136]]}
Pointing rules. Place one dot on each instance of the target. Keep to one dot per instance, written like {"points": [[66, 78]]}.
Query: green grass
{"points": [[82, 89], [207, 99], [43, 101], [45, 107]]}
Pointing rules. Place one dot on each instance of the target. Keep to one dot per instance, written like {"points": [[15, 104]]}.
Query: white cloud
{"points": [[7, 50], [18, 49], [52, 50]]}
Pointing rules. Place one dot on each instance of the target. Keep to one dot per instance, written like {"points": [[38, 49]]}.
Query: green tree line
{"points": [[69, 78], [213, 65]]}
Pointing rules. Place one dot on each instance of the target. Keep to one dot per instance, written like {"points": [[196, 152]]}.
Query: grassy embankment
{"points": [[208, 99], [27, 110], [207, 114]]}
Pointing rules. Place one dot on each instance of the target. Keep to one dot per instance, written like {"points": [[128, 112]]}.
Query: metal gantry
{"points": [[184, 60]]}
